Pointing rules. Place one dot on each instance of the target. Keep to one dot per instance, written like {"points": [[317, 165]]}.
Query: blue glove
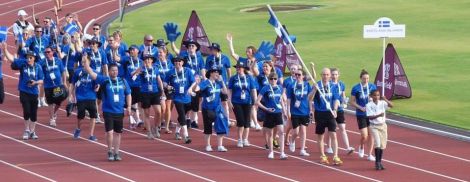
{"points": [[264, 51], [293, 38], [172, 32]]}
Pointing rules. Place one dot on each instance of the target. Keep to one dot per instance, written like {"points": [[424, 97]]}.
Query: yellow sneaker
{"points": [[324, 160], [337, 161]]}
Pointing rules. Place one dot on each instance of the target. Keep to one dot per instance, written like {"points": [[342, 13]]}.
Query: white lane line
{"points": [[24, 7], [64, 157], [27, 171], [2, 4], [122, 151]]}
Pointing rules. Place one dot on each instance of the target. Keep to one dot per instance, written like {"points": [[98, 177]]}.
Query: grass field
{"points": [[435, 52]]}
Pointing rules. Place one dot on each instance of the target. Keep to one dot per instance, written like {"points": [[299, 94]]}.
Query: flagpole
{"points": [[383, 67], [301, 61]]}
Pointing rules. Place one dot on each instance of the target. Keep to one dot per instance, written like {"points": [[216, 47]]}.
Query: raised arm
{"points": [[230, 46], [87, 67], [7, 54]]}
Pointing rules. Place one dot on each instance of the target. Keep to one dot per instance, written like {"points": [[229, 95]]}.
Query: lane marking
{"points": [[24, 7], [2, 4], [27, 171]]}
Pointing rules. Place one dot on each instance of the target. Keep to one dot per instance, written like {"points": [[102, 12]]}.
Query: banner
{"points": [[195, 31], [3, 33], [396, 82], [285, 55]]}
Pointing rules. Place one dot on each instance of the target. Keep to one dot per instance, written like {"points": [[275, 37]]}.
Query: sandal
{"points": [[168, 132]]}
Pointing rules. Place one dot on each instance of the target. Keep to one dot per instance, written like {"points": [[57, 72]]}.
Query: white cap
{"points": [[22, 13]]}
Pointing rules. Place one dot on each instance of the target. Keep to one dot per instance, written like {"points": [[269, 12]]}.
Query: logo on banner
{"points": [[195, 31], [384, 28]]}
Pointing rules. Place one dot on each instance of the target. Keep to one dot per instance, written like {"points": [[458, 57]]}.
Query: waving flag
{"points": [[3, 33], [278, 27], [71, 29]]}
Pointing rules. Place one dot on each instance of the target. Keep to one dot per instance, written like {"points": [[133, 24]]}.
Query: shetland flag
{"points": [[278, 26], [3, 33], [71, 29]]}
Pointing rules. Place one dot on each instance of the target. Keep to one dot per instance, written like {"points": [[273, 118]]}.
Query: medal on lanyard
{"points": [[243, 94], [51, 70], [41, 54], [150, 79], [115, 94], [191, 63], [97, 63], [297, 101], [363, 95], [32, 74], [181, 81], [212, 92]]}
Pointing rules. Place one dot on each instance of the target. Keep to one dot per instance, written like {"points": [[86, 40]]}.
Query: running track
{"points": [[411, 155]]}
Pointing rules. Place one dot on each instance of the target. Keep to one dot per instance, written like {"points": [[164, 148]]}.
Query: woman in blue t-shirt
{"points": [[359, 99], [270, 100], [165, 66]]}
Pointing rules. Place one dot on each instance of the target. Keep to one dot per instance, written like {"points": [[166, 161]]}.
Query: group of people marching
{"points": [[98, 73]]}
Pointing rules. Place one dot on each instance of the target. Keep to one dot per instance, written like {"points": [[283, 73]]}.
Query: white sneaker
{"points": [[252, 124], [98, 119], [33, 135], [240, 143], [52, 122], [208, 148], [283, 156], [150, 135], [246, 143], [258, 127], [361, 152], [304, 153], [271, 155], [26, 135], [329, 150], [39, 103], [371, 158], [221, 149], [350, 150], [43, 102], [292, 147]]}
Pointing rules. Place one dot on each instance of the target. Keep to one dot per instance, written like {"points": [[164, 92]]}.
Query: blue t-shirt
{"points": [[122, 49], [149, 80], [181, 83], [288, 81], [210, 93], [164, 68], [339, 87], [221, 63], [298, 95], [28, 73], [53, 70], [130, 65], [98, 60], [37, 45], [119, 87], [152, 49], [121, 71], [1, 62], [84, 85], [362, 95], [330, 96], [276, 69], [70, 57], [195, 63], [271, 97], [242, 84]]}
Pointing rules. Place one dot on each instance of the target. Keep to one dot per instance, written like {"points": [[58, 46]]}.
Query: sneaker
{"points": [[304, 153], [117, 157], [194, 125], [39, 103], [150, 135], [283, 156], [258, 127], [76, 133], [157, 132], [246, 143], [26, 135], [361, 152], [92, 138], [132, 126], [266, 146], [252, 124], [271, 155], [329, 150], [221, 149], [52, 122], [140, 123], [292, 147], [188, 123], [98, 119], [110, 156], [240, 143], [371, 158], [187, 140], [377, 165], [43, 102], [381, 166], [337, 161], [324, 160], [275, 143], [33, 135], [178, 136], [350, 150], [209, 148], [69, 108]]}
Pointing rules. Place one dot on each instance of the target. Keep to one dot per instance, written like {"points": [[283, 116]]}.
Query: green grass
{"points": [[434, 53]]}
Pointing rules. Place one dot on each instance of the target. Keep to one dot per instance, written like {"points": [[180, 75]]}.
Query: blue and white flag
{"points": [[278, 26], [20, 38], [384, 23], [3, 33], [71, 29]]}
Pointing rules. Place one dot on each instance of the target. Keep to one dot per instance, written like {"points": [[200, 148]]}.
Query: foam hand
{"points": [[172, 32], [264, 51]]}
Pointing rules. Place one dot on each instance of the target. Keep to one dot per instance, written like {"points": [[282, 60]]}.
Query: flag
{"points": [[384, 23], [3, 33], [20, 37], [71, 29], [195, 31], [278, 27]]}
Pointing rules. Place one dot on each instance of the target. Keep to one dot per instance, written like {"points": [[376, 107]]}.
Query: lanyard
{"points": [[94, 56], [191, 62], [132, 62], [362, 90], [40, 43], [323, 88], [53, 64], [182, 73], [220, 61], [111, 85], [213, 86], [301, 93], [149, 77], [240, 83], [31, 73], [161, 66]]}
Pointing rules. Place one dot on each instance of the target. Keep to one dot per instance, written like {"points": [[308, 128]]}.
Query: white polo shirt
{"points": [[373, 109]]}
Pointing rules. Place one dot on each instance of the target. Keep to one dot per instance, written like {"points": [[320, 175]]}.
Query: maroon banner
{"points": [[195, 31], [396, 82], [285, 55]]}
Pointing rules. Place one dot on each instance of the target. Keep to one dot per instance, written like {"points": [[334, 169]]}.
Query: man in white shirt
{"points": [[21, 24]]}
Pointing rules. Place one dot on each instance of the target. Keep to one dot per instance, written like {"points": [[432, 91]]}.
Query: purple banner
{"points": [[195, 31], [396, 82], [285, 55]]}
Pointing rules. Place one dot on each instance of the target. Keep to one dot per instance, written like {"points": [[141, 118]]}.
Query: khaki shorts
{"points": [[379, 132]]}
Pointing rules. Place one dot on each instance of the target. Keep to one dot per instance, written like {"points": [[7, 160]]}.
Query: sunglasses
{"points": [[47, 51], [272, 78], [38, 30], [96, 29], [46, 21], [178, 60], [298, 74], [192, 45], [31, 57], [149, 40]]}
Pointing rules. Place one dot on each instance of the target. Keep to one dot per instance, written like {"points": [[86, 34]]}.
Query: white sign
{"points": [[384, 28]]}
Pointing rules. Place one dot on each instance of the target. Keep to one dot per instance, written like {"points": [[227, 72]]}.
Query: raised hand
{"points": [[171, 30], [264, 51], [229, 37]]}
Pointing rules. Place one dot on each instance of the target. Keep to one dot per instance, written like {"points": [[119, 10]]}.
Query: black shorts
{"points": [[2, 91], [182, 109], [324, 120], [99, 95], [113, 122], [223, 97], [299, 120], [362, 122], [340, 117], [86, 105], [71, 72], [272, 120], [50, 99], [209, 117], [168, 94], [150, 99], [242, 114], [195, 102], [135, 94]]}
